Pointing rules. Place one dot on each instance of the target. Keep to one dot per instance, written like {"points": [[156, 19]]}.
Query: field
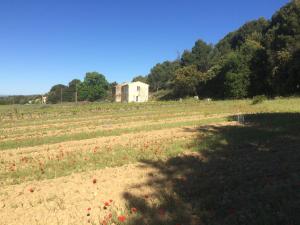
{"points": [[189, 162]]}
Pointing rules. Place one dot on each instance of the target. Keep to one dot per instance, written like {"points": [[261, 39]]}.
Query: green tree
{"points": [[161, 75], [140, 78], [187, 80], [282, 41], [237, 81], [56, 94], [70, 91], [94, 87], [199, 56]]}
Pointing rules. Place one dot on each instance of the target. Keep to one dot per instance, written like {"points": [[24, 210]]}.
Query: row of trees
{"points": [[94, 87], [262, 57]]}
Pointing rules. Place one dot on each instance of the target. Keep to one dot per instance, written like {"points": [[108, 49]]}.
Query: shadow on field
{"points": [[244, 174]]}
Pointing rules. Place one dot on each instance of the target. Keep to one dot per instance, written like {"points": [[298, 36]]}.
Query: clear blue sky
{"points": [[45, 42]]}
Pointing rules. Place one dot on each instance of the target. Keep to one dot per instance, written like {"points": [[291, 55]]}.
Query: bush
{"points": [[258, 99]]}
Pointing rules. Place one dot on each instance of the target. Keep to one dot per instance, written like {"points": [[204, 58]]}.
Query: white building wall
{"points": [[138, 92], [135, 92]]}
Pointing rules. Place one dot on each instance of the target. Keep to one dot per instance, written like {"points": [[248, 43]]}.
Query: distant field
{"points": [[43, 147]]}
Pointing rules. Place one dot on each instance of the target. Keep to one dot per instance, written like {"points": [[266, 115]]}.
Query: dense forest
{"points": [[260, 58]]}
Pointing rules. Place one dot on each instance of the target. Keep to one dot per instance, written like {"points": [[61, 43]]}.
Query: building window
{"points": [[138, 88], [137, 98]]}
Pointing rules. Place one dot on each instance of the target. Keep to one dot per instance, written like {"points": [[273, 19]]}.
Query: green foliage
{"points": [[199, 56], [94, 87], [258, 99], [260, 58], [186, 81], [282, 41], [140, 78], [57, 93], [235, 85], [161, 75]]}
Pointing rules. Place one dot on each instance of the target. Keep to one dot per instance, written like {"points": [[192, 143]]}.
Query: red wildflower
{"points": [[133, 210], [94, 181], [89, 209], [31, 190], [110, 201], [121, 218], [106, 203], [110, 215]]}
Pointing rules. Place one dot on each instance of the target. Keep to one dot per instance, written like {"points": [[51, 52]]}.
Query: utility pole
{"points": [[61, 98]]}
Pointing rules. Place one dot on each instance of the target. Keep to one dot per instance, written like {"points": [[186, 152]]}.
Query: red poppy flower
{"points": [[106, 203], [134, 210], [31, 190], [121, 218], [89, 209], [110, 200]]}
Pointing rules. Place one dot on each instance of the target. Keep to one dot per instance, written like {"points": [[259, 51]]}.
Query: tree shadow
{"points": [[239, 174]]}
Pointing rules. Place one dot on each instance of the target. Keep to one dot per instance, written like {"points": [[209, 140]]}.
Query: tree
{"points": [[94, 87], [140, 78], [161, 75], [187, 80], [199, 56], [236, 83], [73, 85], [282, 41], [72, 90], [56, 93]]}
